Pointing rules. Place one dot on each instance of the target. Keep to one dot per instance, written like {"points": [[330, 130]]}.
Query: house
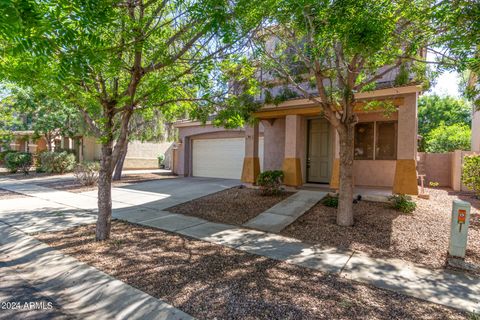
{"points": [[293, 137], [140, 155]]}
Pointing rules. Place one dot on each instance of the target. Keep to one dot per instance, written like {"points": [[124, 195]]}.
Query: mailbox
{"points": [[459, 228]]}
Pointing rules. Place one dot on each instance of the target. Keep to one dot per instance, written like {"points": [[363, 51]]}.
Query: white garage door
{"points": [[220, 158]]}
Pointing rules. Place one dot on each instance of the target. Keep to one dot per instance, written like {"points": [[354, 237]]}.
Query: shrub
{"points": [[270, 182], [403, 204], [3, 154], [330, 201], [161, 159], [471, 173], [87, 173], [57, 162], [15, 161]]}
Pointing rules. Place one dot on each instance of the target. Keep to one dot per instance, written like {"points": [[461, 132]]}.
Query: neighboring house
{"points": [[294, 138], [25, 141], [140, 155]]}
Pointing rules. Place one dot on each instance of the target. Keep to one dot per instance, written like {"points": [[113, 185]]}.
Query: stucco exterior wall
{"points": [[437, 167], [144, 155], [476, 131], [407, 128], [274, 146], [374, 173]]}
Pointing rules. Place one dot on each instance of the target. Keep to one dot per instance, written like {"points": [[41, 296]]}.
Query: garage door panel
{"points": [[220, 158]]}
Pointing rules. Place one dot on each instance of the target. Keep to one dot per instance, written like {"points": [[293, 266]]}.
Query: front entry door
{"points": [[319, 160]]}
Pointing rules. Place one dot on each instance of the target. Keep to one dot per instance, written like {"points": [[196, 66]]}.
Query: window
{"points": [[386, 137], [376, 140], [364, 141]]}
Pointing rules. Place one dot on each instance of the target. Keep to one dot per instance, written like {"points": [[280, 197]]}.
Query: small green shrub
{"points": [[57, 162], [161, 159], [471, 173], [330, 201], [15, 161], [87, 173], [270, 182], [403, 204], [4, 153]]}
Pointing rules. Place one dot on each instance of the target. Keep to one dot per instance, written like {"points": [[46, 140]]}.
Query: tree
{"points": [[458, 32], [339, 48], [113, 59], [447, 138], [45, 116], [435, 111]]}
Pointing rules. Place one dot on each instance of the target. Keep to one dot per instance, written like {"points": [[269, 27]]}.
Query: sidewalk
{"points": [[78, 288], [438, 286]]}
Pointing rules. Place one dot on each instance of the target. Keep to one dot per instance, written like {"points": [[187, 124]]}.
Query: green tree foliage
{"points": [[458, 30], [436, 112], [115, 59], [35, 111], [471, 173], [447, 138], [340, 48]]}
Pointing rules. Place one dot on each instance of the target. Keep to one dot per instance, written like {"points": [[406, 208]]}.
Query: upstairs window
{"points": [[376, 140]]}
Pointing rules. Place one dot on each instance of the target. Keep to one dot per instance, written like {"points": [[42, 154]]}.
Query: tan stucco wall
{"points": [[407, 128], [476, 131], [437, 167], [274, 150], [375, 173]]}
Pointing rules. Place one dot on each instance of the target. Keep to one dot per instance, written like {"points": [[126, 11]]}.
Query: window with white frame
{"points": [[376, 140]]}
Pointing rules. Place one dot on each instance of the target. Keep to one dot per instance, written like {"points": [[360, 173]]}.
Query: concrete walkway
{"points": [[454, 290], [285, 212]]}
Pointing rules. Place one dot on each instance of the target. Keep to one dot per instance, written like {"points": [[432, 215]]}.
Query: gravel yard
{"points": [[210, 281], [380, 231], [73, 186], [232, 206], [5, 194]]}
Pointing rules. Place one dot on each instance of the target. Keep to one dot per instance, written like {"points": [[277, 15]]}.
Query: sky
{"points": [[446, 84]]}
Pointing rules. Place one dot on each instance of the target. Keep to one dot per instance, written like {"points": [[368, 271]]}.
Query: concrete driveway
{"points": [[50, 209]]}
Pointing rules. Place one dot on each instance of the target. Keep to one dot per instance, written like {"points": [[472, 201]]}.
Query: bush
{"points": [[15, 161], [57, 162], [87, 173], [403, 204], [330, 201], [3, 154], [471, 173], [161, 159], [270, 182]]}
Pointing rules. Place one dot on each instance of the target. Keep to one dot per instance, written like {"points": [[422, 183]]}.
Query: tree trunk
{"points": [[345, 200], [104, 194], [119, 166]]}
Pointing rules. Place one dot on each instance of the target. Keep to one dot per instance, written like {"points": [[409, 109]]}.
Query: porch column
{"points": [[405, 181], [335, 176], [251, 163], [292, 167]]}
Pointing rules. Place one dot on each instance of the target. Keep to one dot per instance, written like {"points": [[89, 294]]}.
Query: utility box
{"points": [[459, 228]]}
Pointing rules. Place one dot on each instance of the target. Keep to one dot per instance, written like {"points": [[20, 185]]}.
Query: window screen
{"points": [[364, 141], [386, 148]]}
